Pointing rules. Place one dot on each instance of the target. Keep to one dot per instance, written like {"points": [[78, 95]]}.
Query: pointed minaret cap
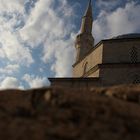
{"points": [[88, 12], [85, 41]]}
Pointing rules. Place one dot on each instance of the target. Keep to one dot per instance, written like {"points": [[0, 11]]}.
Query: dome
{"points": [[133, 35]]}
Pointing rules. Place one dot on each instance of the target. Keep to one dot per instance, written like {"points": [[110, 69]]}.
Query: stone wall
{"points": [[78, 83], [116, 74], [92, 59], [121, 51], [115, 62]]}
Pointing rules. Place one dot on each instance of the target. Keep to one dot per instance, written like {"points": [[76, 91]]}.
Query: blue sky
{"points": [[37, 36]]}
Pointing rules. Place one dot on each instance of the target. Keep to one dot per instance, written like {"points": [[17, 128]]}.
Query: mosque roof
{"points": [[127, 36]]}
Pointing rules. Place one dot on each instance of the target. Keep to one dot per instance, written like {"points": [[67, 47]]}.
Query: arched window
{"points": [[136, 79], [85, 67], [134, 55]]}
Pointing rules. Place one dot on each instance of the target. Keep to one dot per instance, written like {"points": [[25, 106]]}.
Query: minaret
{"points": [[85, 41]]}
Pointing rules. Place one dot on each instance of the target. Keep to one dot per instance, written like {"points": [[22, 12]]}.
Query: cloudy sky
{"points": [[37, 36]]}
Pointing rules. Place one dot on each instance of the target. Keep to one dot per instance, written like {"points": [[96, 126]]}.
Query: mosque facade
{"points": [[113, 61]]}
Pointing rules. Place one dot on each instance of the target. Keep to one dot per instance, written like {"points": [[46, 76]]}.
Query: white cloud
{"points": [[9, 83], [21, 31], [41, 70], [10, 69], [41, 21], [64, 57], [2, 53], [12, 5], [13, 50], [53, 28], [35, 81], [45, 22], [11, 14], [108, 4], [121, 21]]}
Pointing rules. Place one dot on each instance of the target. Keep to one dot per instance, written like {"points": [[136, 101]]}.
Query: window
{"points": [[136, 79], [134, 55], [85, 67]]}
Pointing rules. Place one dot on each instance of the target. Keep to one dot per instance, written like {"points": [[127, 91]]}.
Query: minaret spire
{"points": [[87, 19], [88, 12], [85, 40]]}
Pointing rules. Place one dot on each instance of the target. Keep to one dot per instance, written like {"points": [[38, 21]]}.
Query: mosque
{"points": [[113, 61]]}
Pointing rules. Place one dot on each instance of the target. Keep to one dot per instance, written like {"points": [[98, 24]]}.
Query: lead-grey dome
{"points": [[133, 35]]}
